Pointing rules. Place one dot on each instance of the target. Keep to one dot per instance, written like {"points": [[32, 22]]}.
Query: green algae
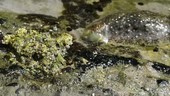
{"points": [[144, 54], [149, 1], [10, 23], [118, 6], [3, 63], [126, 6], [38, 53], [122, 81]]}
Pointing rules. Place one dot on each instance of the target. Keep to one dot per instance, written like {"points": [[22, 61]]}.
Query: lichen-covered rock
{"points": [[38, 53]]}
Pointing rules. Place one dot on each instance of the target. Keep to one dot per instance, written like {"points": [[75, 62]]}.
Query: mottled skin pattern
{"points": [[136, 27]]}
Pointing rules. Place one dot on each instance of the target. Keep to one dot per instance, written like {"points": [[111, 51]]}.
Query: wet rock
{"points": [[39, 22], [161, 67], [101, 68], [2, 21], [83, 13]]}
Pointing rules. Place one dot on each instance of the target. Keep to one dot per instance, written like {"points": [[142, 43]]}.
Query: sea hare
{"points": [[136, 27], [141, 35]]}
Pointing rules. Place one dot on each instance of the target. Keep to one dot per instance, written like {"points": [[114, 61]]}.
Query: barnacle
{"points": [[38, 52]]}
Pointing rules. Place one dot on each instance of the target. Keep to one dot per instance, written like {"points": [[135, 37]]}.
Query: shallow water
{"points": [[48, 7]]}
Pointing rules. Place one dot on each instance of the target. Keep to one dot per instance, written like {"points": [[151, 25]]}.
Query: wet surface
{"points": [[92, 70]]}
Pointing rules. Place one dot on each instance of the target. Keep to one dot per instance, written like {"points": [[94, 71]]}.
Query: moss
{"points": [[38, 53]]}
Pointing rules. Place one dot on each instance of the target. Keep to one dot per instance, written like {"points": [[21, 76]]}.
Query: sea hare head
{"points": [[136, 27]]}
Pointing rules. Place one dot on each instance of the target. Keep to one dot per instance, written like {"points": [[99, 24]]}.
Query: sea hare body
{"points": [[136, 27], [143, 36]]}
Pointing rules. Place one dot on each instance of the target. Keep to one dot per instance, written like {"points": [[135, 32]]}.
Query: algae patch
{"points": [[38, 53], [118, 6]]}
